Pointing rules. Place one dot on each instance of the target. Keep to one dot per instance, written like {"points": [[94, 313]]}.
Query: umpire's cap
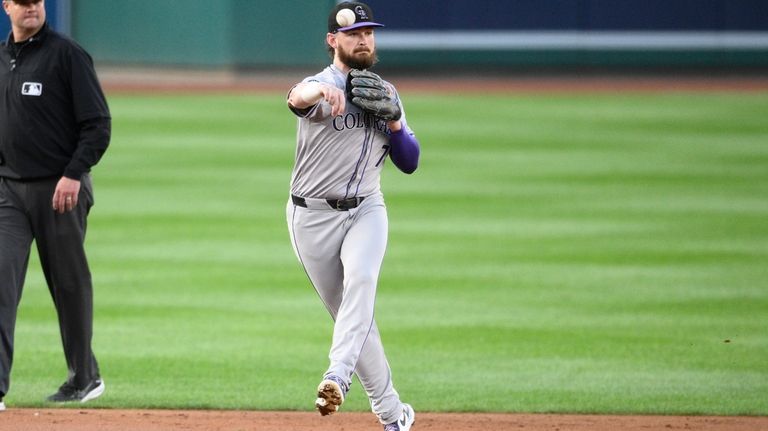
{"points": [[363, 17]]}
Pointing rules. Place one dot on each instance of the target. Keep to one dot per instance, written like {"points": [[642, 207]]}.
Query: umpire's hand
{"points": [[65, 196]]}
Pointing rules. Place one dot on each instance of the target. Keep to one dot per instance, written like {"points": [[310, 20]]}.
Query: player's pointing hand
{"points": [[309, 94]]}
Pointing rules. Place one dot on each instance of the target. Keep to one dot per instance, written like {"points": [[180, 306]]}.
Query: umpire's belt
{"points": [[324, 204]]}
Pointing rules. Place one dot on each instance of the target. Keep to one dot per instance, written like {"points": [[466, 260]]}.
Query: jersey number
{"points": [[383, 156]]}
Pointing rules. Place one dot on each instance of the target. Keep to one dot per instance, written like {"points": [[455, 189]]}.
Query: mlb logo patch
{"points": [[32, 89]]}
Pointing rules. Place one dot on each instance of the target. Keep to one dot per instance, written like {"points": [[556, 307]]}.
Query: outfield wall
{"points": [[595, 33], [477, 34], [202, 33]]}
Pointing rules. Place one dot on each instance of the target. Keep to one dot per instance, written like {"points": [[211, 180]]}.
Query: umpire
{"points": [[54, 126]]}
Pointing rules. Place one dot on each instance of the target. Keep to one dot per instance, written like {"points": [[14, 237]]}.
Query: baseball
{"points": [[345, 17]]}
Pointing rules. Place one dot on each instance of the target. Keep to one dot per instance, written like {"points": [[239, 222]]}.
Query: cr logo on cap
{"points": [[32, 89], [361, 12]]}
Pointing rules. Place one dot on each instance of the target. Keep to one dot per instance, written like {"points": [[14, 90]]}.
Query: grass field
{"points": [[554, 253]]}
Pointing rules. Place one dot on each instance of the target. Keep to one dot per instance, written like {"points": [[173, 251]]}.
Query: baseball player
{"points": [[350, 122]]}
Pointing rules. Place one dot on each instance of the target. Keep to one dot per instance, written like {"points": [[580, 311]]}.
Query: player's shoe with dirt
{"points": [[68, 392], [330, 394], [405, 422], [2, 405]]}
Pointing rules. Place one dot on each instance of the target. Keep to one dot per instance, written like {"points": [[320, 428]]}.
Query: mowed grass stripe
{"points": [[554, 253]]}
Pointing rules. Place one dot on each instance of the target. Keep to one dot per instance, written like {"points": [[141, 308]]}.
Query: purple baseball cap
{"points": [[363, 17]]}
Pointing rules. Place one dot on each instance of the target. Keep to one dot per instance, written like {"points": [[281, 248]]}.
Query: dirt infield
{"points": [[197, 420]]}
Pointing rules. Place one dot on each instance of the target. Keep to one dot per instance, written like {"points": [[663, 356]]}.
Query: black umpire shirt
{"points": [[54, 119]]}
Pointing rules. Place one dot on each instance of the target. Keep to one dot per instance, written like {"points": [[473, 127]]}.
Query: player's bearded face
{"points": [[358, 58]]}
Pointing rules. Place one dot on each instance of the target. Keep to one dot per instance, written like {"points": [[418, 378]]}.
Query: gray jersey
{"points": [[341, 250], [339, 157]]}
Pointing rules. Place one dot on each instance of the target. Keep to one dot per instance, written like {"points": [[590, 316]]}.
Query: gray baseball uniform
{"points": [[340, 158]]}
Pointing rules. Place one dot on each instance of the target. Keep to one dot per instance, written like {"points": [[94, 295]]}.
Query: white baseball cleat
{"points": [[2, 406], [330, 395], [404, 423]]}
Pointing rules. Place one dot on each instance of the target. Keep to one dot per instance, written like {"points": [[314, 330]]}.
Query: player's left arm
{"points": [[404, 148]]}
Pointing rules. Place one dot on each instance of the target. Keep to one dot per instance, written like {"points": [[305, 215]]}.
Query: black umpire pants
{"points": [[26, 213]]}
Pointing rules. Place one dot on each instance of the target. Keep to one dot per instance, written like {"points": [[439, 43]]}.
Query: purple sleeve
{"points": [[404, 150]]}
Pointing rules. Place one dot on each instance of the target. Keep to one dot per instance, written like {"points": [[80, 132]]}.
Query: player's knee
{"points": [[362, 279]]}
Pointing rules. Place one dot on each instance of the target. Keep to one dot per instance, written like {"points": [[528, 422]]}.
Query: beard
{"points": [[360, 60]]}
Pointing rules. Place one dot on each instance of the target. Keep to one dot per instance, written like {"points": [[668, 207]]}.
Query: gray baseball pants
{"points": [[26, 213], [342, 252]]}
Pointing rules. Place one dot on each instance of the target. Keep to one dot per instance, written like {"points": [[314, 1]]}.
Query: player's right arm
{"points": [[308, 94]]}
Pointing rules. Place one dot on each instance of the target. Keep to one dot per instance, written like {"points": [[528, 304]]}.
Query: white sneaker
{"points": [[407, 419], [2, 406], [92, 393]]}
